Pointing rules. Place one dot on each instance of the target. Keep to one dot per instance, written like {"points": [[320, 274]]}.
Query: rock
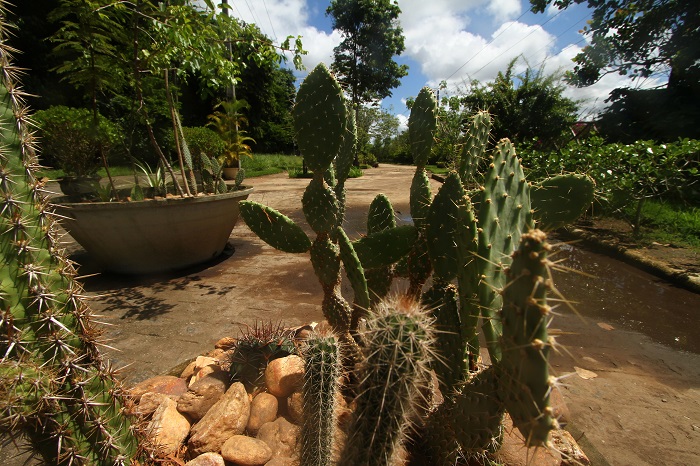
{"points": [[217, 354], [203, 366], [571, 453], [228, 417], [202, 395], [226, 343], [188, 371], [282, 461], [149, 402], [165, 384], [246, 451], [263, 409], [285, 375], [295, 407], [514, 453], [168, 427], [281, 436], [207, 459]]}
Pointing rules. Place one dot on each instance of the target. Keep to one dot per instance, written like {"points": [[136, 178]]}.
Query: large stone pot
{"points": [[154, 235]]}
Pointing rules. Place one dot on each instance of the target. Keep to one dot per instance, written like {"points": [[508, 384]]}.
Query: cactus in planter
{"points": [[55, 385]]}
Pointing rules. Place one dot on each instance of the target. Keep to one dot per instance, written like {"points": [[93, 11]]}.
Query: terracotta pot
{"points": [[154, 235], [230, 173]]}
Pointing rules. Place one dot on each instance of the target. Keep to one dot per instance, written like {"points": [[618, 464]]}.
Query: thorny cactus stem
{"points": [[55, 386]]}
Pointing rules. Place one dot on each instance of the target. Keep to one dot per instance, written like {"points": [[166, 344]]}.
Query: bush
{"points": [[625, 173], [202, 140], [70, 141]]}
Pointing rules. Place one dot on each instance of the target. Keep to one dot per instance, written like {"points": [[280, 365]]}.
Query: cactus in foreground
{"points": [[398, 352], [321, 393], [54, 384]]}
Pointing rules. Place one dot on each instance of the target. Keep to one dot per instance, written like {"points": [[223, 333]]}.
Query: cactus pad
{"points": [[276, 229]]}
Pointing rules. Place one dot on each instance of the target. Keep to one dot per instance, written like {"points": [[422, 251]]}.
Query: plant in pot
{"points": [[72, 143], [162, 46], [228, 123]]}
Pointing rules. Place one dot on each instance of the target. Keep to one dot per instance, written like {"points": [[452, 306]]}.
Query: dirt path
{"points": [[636, 403]]}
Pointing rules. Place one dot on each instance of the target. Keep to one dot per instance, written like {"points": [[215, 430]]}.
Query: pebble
{"points": [[246, 451], [284, 376], [263, 409]]}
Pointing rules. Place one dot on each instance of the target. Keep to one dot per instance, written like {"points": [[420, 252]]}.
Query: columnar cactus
{"points": [[397, 356], [54, 383], [321, 394]]}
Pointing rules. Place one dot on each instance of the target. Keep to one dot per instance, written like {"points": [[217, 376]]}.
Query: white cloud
{"points": [[503, 10]]}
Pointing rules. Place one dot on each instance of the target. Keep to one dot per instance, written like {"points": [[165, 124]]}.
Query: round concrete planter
{"points": [[154, 235]]}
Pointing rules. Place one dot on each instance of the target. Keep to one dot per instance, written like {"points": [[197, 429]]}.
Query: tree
{"points": [[640, 38], [525, 106], [371, 38]]}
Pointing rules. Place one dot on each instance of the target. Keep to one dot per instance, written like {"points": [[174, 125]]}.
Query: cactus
{"points": [[325, 132], [55, 385], [503, 288], [320, 393], [256, 347], [397, 358]]}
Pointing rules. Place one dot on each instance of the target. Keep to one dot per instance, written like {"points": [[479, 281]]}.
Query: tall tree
{"points": [[639, 38], [364, 60]]}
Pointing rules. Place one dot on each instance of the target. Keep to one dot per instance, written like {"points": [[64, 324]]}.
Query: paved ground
{"points": [[642, 408]]}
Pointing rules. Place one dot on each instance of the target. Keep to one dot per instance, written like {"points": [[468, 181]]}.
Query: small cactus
{"points": [[322, 373], [397, 359]]}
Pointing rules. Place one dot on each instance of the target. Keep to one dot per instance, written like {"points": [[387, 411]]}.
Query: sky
{"points": [[451, 40]]}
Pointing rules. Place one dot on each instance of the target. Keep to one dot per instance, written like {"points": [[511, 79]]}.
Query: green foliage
{"points": [[371, 37], [668, 222], [202, 140], [625, 173], [228, 124], [71, 142], [534, 108], [648, 34]]}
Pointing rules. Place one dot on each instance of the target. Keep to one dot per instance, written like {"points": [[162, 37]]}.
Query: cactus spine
{"points": [[54, 383]]}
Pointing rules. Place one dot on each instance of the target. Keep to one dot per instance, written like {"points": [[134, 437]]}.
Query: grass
{"points": [[437, 170], [297, 172], [259, 165], [666, 222]]}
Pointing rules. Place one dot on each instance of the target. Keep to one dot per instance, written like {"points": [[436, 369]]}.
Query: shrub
{"points": [[71, 142], [202, 140]]}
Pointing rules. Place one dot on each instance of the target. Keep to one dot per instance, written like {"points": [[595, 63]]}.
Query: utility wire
{"points": [[270, 20], [487, 44]]}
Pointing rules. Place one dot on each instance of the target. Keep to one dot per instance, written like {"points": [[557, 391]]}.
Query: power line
{"points": [[270, 20], [487, 44]]}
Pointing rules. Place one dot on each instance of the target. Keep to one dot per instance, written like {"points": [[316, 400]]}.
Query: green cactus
{"points": [[504, 214], [380, 217], [321, 394], [474, 150], [422, 125], [55, 385], [397, 358], [255, 348]]}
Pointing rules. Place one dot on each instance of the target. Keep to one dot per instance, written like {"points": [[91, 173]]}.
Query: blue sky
{"points": [[453, 40]]}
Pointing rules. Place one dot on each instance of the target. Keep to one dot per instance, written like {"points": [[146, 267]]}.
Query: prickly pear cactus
{"points": [[55, 385]]}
